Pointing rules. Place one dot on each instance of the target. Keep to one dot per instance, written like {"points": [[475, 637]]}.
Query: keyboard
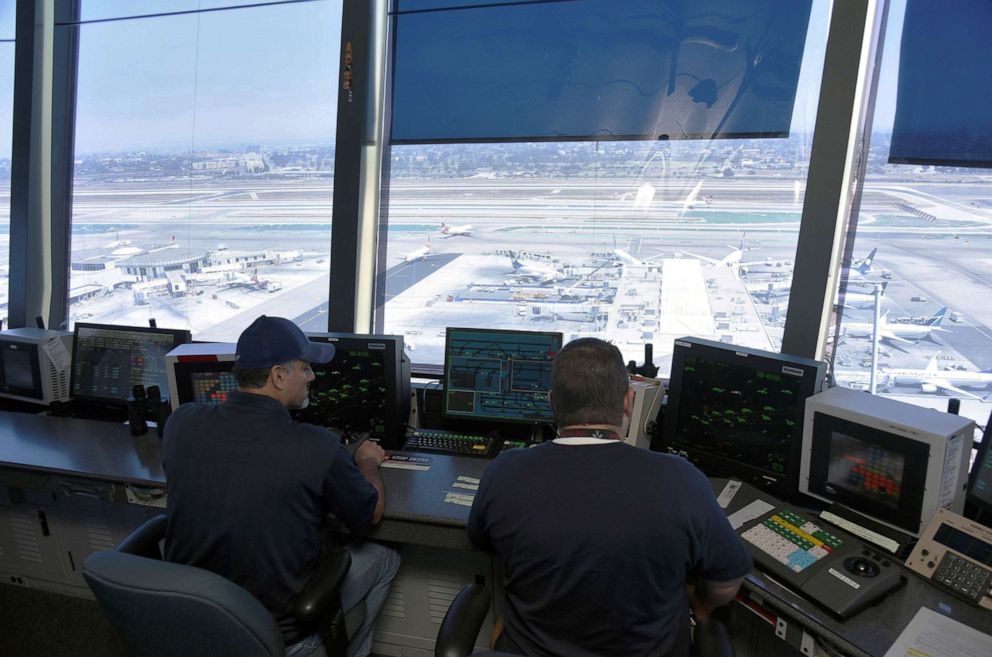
{"points": [[790, 540], [448, 442]]}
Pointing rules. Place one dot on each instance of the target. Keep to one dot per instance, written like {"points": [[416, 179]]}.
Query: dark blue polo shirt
{"points": [[249, 491], [597, 542]]}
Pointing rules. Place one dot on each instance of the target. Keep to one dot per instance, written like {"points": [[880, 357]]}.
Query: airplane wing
{"points": [[947, 387]]}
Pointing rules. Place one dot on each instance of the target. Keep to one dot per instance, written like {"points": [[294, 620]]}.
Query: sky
{"points": [[262, 75]]}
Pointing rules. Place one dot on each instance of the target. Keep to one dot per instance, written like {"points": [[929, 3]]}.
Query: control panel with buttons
{"points": [[956, 554], [830, 567]]}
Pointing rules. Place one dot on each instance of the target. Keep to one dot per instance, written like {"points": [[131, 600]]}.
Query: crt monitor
{"points": [[34, 365], [497, 374], [978, 503], [738, 412], [890, 461], [201, 372], [108, 360], [365, 389]]}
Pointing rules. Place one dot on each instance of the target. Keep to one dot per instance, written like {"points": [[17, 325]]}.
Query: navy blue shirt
{"points": [[597, 542], [249, 494]]}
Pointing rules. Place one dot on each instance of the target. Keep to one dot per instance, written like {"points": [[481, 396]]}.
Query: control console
{"points": [[830, 567]]}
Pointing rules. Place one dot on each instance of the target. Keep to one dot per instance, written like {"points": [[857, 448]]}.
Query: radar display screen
{"points": [[744, 415], [499, 374], [350, 394]]}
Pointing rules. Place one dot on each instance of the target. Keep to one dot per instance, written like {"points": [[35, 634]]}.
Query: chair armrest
{"points": [[323, 589], [711, 639], [461, 624], [144, 540]]}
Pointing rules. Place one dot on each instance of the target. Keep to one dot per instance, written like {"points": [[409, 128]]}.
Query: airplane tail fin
{"points": [[938, 317], [865, 265]]}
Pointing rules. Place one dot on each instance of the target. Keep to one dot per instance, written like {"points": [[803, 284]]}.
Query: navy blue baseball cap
{"points": [[275, 340]]}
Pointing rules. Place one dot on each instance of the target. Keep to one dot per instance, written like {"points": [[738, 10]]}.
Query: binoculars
{"points": [[144, 406]]}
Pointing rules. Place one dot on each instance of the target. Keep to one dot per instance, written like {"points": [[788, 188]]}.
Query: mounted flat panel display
{"points": [[595, 69], [942, 107]]}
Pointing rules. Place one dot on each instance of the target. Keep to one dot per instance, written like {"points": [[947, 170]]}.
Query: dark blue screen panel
{"points": [[943, 114], [595, 69]]}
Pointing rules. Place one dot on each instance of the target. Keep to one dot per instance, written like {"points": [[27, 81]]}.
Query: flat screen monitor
{"points": [[108, 361], [201, 372], [496, 374], [363, 390], [738, 412], [34, 365], [978, 503]]}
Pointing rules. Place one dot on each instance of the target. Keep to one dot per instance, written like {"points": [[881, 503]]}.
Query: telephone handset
{"points": [[956, 554]]}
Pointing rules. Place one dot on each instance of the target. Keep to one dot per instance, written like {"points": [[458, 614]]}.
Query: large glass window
{"points": [[929, 232], [204, 157], [6, 123], [634, 242]]}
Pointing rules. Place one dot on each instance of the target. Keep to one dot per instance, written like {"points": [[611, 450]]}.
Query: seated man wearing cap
{"points": [[250, 489]]}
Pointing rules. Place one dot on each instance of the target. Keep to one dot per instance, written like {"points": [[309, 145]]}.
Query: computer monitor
{"points": [[34, 365], [499, 374], [978, 502], [201, 372], [365, 389], [738, 412], [108, 361], [893, 462]]}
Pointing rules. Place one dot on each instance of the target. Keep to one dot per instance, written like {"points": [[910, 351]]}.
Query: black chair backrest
{"points": [[170, 610]]}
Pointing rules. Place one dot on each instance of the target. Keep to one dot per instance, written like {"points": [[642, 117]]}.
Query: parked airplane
{"points": [[906, 333], [624, 256], [453, 231], [732, 259], [933, 379], [418, 254], [543, 273]]}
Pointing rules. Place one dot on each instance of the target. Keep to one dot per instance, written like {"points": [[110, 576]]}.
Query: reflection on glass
{"points": [[923, 241], [6, 123], [203, 168], [631, 241]]}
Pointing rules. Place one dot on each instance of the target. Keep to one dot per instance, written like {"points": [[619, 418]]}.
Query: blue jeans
{"points": [[373, 567]]}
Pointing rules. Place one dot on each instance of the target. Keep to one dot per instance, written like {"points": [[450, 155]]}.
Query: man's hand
{"points": [[368, 457], [370, 451]]}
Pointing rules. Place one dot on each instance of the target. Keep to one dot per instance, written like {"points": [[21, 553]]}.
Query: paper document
{"points": [[930, 634], [750, 512]]}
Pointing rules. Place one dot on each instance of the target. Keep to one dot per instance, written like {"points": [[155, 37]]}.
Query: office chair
{"points": [[165, 609], [463, 620]]}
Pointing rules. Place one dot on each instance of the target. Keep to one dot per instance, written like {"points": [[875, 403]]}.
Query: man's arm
{"points": [[706, 595], [368, 457]]}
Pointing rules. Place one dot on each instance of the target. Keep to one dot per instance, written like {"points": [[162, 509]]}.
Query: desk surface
{"points": [[107, 451], [80, 448]]}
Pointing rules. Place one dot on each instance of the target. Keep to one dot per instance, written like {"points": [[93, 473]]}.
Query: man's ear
{"points": [[628, 401], [277, 376]]}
